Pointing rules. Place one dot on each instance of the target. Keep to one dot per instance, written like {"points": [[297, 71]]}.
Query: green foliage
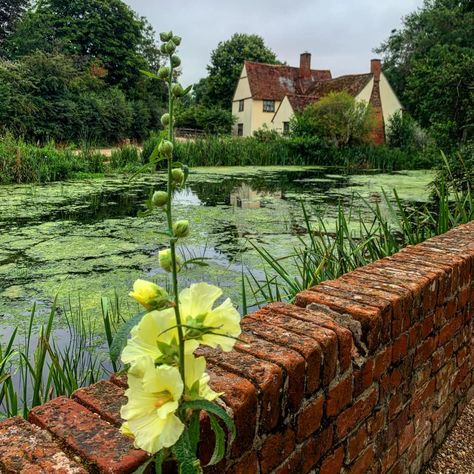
{"points": [[324, 256], [104, 32], [127, 157], [45, 97], [11, 12], [338, 119], [430, 63], [211, 120], [265, 150], [226, 66], [403, 132], [38, 369]]}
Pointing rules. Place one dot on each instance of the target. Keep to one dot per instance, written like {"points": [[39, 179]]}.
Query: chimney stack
{"points": [[376, 68], [305, 65]]}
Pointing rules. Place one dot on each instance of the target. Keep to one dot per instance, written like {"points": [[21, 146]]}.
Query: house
{"points": [[270, 94]]}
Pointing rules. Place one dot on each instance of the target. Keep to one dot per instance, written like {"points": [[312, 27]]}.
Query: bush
{"points": [[337, 119], [211, 120]]}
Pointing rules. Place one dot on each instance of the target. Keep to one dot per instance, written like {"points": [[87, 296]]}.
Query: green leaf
{"points": [[120, 338], [187, 90], [200, 261], [187, 461], [150, 74], [210, 407], [159, 458], [143, 467], [219, 447], [194, 431]]}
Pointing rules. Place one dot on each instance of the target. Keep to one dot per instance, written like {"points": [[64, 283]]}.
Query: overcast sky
{"points": [[340, 34]]}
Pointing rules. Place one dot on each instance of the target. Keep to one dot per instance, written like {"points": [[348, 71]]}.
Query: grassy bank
{"points": [[21, 162]]}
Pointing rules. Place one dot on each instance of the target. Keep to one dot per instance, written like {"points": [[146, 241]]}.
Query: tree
{"points": [[430, 62], [338, 119], [105, 32], [10, 13], [226, 65]]}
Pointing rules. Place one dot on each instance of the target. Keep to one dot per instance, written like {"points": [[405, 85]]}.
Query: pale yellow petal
{"points": [[198, 299]]}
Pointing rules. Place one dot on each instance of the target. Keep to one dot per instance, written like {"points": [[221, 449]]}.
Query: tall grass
{"points": [[49, 362], [323, 255]]}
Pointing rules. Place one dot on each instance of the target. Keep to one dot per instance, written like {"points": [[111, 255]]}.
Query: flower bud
{"points": [[149, 295], [165, 119], [175, 61], [160, 198], [181, 229], [164, 72], [177, 90], [166, 36], [165, 148], [166, 261], [164, 48], [177, 176], [176, 40], [170, 47]]}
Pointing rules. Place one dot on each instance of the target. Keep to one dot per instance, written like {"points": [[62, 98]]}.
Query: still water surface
{"points": [[84, 239]]}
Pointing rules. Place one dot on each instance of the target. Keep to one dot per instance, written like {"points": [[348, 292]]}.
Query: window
{"points": [[286, 128], [240, 129], [269, 106], [241, 105]]}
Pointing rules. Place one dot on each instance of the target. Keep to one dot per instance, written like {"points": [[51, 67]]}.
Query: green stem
{"points": [[169, 215]]}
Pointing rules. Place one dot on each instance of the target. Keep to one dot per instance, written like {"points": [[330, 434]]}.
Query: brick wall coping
{"points": [[366, 373]]}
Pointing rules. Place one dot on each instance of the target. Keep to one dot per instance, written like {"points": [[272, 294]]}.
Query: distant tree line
{"points": [[70, 71]]}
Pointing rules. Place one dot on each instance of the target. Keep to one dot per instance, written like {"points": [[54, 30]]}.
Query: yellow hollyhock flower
{"points": [[153, 398], [155, 336], [197, 380], [196, 308], [148, 294]]}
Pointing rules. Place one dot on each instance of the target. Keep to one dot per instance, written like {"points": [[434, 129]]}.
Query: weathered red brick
{"points": [[276, 448], [333, 463], [315, 448], [363, 462], [322, 317], [290, 361], [363, 377], [448, 331], [382, 362], [266, 376], [424, 351], [350, 418], [370, 317], [356, 444], [25, 448], [339, 396], [247, 465], [96, 441], [103, 398], [325, 338], [309, 418], [241, 397], [400, 348], [304, 345]]}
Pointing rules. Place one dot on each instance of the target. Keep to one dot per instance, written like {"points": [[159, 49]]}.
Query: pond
{"points": [[84, 240]]}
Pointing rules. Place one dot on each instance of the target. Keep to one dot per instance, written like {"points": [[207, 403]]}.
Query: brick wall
{"points": [[366, 373]]}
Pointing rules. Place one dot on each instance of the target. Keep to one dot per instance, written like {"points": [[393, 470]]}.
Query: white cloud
{"points": [[340, 34]]}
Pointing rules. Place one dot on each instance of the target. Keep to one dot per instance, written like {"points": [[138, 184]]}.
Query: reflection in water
{"points": [[246, 198]]}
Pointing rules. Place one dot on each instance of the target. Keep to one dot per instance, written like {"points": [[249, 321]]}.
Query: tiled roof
{"points": [[352, 83], [275, 81]]}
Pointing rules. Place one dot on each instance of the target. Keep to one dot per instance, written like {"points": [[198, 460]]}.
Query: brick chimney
{"points": [[305, 65], [376, 68]]}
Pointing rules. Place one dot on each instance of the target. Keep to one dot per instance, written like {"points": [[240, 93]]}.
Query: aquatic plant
{"points": [[167, 384], [323, 255], [39, 367]]}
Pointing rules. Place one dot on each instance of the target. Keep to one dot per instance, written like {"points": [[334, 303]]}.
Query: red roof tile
{"points": [[352, 83], [275, 81]]}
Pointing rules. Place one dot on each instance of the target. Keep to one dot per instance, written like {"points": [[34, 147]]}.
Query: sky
{"points": [[339, 34]]}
